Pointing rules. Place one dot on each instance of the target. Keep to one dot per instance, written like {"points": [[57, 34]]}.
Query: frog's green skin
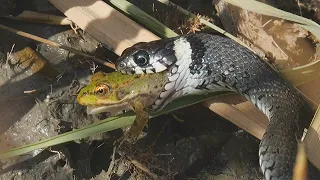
{"points": [[122, 90]]}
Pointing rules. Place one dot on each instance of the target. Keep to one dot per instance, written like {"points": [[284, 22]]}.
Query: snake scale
{"points": [[201, 63]]}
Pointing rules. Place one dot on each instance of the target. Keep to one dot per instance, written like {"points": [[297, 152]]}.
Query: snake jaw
{"points": [[148, 58]]}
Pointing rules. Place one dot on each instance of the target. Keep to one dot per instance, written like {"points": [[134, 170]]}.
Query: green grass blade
{"points": [[92, 129], [188, 101], [101, 127], [143, 18]]}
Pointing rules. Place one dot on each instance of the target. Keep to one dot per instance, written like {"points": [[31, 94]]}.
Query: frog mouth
{"points": [[113, 109]]}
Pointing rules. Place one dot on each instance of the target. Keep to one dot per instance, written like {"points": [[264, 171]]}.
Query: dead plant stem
{"points": [[54, 44]]}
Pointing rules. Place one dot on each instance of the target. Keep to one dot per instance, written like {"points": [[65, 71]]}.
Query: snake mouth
{"points": [[129, 71], [156, 67], [141, 70]]}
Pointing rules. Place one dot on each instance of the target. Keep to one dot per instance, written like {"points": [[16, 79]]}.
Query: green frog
{"points": [[115, 92]]}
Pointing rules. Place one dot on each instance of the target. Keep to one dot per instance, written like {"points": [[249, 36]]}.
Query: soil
{"points": [[191, 143]]}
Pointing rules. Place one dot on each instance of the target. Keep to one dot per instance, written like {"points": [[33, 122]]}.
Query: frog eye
{"points": [[141, 58], [101, 89]]}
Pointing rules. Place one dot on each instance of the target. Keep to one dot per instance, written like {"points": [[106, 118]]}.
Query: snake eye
{"points": [[141, 58], [101, 89]]}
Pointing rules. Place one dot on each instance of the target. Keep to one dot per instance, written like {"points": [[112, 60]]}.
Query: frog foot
{"points": [[121, 140]]}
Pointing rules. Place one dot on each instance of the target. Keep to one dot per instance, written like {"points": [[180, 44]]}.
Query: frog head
{"points": [[107, 93], [115, 92]]}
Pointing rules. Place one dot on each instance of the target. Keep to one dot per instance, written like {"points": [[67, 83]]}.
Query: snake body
{"points": [[201, 63]]}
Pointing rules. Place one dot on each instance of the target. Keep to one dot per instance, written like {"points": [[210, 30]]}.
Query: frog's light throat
{"points": [[112, 109]]}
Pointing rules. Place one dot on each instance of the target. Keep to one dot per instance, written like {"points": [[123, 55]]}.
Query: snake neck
{"points": [[206, 63]]}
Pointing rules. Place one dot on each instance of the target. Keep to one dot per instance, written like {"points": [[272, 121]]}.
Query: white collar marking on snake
{"points": [[177, 73], [181, 81]]}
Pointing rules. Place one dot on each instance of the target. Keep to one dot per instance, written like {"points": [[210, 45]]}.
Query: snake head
{"points": [[147, 57]]}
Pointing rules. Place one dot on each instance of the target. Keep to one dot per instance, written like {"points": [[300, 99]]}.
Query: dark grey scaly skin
{"points": [[218, 63]]}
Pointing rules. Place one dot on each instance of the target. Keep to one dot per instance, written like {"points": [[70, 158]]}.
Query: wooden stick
{"points": [[104, 23], [226, 106]]}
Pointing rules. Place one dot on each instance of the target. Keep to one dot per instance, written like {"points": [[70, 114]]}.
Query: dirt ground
{"points": [[191, 143]]}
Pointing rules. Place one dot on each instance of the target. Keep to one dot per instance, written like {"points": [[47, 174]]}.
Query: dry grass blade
{"points": [[300, 170], [302, 74], [203, 21], [54, 44], [37, 17], [297, 75], [312, 139], [261, 8]]}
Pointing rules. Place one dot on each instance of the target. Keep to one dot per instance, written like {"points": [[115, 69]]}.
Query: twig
{"points": [[299, 5], [54, 44], [266, 23], [9, 55], [176, 117], [111, 165], [158, 135], [142, 168], [30, 91], [8, 58]]}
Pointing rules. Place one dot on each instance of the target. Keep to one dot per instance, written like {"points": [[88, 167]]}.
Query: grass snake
{"points": [[201, 63]]}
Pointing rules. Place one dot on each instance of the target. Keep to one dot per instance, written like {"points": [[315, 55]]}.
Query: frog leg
{"points": [[139, 123], [141, 120]]}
